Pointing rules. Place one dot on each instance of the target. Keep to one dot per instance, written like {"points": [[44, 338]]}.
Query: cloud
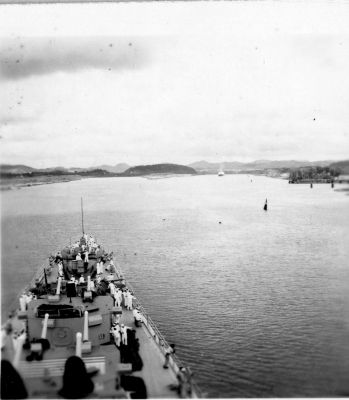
{"points": [[14, 120], [22, 58]]}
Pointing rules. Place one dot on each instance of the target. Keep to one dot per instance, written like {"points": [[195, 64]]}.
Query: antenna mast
{"points": [[82, 217]]}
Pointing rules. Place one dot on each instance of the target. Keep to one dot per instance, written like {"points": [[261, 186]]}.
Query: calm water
{"points": [[257, 305]]}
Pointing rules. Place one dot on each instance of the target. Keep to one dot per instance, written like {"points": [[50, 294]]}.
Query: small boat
{"points": [[220, 173], [80, 331]]}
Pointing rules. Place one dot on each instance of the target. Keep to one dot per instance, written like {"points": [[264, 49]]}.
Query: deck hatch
{"points": [[58, 311], [55, 367]]}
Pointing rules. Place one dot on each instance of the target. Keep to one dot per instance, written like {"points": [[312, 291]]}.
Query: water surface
{"points": [[258, 305]]}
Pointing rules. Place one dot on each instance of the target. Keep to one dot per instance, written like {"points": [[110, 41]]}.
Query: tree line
{"points": [[313, 173]]}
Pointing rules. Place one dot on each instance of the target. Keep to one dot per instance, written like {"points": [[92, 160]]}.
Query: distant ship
{"points": [[220, 173]]}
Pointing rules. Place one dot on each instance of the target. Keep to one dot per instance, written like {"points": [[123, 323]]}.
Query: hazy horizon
{"points": [[166, 162], [145, 83]]}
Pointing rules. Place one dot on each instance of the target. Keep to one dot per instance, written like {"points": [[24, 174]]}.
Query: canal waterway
{"points": [[256, 302]]}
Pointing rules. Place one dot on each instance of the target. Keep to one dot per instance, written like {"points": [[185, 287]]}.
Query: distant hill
{"points": [[7, 169], [235, 166], [258, 167], [52, 169], [207, 166], [115, 169], [15, 169], [343, 166], [140, 170], [122, 167]]}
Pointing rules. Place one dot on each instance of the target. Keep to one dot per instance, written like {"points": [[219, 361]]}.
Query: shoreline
{"points": [[18, 183]]}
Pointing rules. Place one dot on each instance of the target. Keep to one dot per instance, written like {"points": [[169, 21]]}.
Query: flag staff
{"points": [[82, 217]]}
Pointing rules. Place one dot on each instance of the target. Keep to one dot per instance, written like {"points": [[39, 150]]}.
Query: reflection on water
{"points": [[257, 305]]}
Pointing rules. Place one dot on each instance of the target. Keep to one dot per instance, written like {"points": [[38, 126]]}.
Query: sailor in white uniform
{"points": [[115, 331], [60, 269], [124, 334], [112, 288], [23, 302], [101, 266], [117, 297], [138, 317], [99, 271], [28, 298], [129, 300], [124, 297]]}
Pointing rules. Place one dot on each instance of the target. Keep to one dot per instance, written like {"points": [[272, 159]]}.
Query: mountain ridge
{"points": [[237, 166], [201, 166]]}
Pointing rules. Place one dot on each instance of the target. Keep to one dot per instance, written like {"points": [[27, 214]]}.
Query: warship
{"points": [[80, 332]]}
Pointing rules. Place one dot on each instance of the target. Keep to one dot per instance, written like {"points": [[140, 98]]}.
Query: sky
{"points": [[90, 84]]}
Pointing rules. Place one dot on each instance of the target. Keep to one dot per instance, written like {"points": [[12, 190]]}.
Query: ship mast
{"points": [[82, 217]]}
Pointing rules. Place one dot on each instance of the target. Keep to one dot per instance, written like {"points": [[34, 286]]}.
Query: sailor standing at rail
{"points": [[124, 334], [58, 257], [138, 317], [117, 297], [168, 351], [23, 302], [101, 266], [124, 297], [60, 269], [98, 267], [115, 331], [92, 285], [111, 267], [129, 300], [28, 298], [112, 288]]}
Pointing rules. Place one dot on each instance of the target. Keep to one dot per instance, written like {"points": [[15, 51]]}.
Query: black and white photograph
{"points": [[174, 199]]}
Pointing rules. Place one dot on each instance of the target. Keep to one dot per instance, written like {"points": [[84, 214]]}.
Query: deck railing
{"points": [[174, 361]]}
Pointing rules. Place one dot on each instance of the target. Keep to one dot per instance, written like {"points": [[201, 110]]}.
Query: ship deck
{"points": [[158, 379], [43, 378]]}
